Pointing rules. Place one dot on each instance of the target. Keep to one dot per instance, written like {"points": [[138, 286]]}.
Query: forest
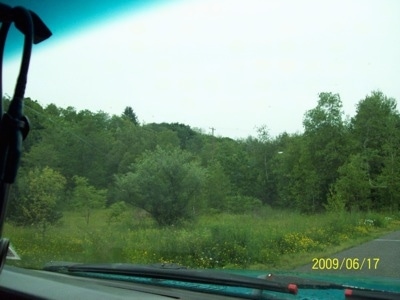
{"points": [[83, 160]]}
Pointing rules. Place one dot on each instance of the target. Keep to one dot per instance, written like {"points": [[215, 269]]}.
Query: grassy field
{"points": [[269, 239]]}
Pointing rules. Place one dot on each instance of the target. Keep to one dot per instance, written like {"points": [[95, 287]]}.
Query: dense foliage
{"points": [[176, 173], [163, 183]]}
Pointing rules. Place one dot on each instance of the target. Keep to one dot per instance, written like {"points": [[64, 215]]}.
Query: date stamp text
{"points": [[346, 263]]}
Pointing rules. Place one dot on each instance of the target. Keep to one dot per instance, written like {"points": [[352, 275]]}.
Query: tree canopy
{"points": [[174, 172]]}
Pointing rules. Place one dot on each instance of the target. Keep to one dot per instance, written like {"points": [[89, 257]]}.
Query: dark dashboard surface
{"points": [[19, 283]]}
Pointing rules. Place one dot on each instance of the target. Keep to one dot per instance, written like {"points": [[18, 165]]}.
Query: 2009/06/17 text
{"points": [[345, 263]]}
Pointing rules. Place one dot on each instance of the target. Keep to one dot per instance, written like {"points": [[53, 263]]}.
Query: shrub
{"points": [[296, 242]]}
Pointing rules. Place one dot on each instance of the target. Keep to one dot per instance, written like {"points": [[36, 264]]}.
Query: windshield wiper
{"points": [[264, 283], [175, 273], [351, 292], [14, 126]]}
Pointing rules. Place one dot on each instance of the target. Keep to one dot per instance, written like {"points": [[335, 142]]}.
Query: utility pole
{"points": [[212, 130], [213, 143]]}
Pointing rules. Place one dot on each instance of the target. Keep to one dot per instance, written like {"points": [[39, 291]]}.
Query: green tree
{"points": [[217, 188], [352, 189], [184, 133], [387, 184], [235, 161], [40, 192], [87, 197], [293, 173], [130, 115], [375, 128], [262, 152], [326, 142], [42, 155], [374, 122], [389, 189], [165, 183]]}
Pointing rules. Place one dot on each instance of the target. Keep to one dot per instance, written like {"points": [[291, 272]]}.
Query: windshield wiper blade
{"points": [[351, 292], [176, 273]]}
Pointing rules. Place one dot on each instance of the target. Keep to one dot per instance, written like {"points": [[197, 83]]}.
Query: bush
{"points": [[296, 242], [116, 211], [164, 183]]}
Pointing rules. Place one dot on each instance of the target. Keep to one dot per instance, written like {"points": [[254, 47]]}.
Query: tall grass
{"points": [[270, 239]]}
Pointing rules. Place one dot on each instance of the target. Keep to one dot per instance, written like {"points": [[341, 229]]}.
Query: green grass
{"points": [[269, 239]]}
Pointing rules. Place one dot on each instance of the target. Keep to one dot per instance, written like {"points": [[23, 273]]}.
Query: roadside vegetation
{"points": [[267, 239], [95, 187]]}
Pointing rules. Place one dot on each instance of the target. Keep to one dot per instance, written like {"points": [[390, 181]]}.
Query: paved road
{"points": [[385, 248]]}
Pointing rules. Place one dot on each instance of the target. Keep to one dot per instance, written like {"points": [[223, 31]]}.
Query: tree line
{"points": [[86, 160]]}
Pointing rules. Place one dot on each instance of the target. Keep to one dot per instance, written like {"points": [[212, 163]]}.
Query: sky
{"points": [[225, 64]]}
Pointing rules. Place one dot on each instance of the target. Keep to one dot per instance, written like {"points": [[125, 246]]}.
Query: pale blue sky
{"points": [[232, 65]]}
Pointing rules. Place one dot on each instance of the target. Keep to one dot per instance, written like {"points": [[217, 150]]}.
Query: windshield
{"points": [[230, 135]]}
